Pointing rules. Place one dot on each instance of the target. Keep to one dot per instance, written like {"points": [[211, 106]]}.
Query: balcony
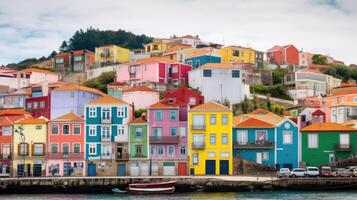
{"points": [[107, 156], [124, 156], [198, 146], [254, 145], [105, 138], [106, 121], [5, 157], [164, 139], [139, 156], [198, 127], [69, 155], [343, 147]]}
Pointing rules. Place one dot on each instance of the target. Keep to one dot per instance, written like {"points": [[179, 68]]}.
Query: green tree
{"points": [[278, 75], [319, 59], [101, 82], [64, 46]]}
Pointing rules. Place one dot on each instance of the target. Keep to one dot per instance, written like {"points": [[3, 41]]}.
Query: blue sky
{"points": [[35, 28]]}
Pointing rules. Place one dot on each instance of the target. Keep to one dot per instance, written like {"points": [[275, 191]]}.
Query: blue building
{"points": [[265, 138], [106, 129], [202, 57]]}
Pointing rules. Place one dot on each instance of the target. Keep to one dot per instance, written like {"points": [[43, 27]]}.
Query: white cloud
{"points": [[35, 28]]}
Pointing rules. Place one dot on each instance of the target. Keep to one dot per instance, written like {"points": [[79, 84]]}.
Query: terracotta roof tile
{"points": [[327, 127], [78, 87], [217, 65], [260, 118], [138, 120], [38, 70], [348, 103], [31, 121], [69, 117], [106, 100], [166, 104], [140, 88], [155, 59], [211, 106], [251, 122], [14, 112]]}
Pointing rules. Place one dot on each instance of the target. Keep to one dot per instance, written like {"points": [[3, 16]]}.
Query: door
{"points": [[259, 158], [37, 169], [121, 170], [169, 169], [331, 158], [66, 169], [20, 170], [224, 167], [210, 167], [182, 169], [91, 169], [134, 169]]}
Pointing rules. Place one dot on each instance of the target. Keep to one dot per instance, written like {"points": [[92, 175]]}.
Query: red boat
{"points": [[152, 188]]}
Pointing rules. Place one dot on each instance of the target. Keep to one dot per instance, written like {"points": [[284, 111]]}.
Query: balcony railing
{"points": [[343, 147], [139, 156], [5, 157], [106, 156], [105, 138], [164, 139], [69, 155], [253, 145], [124, 156], [198, 146], [106, 121], [198, 127]]}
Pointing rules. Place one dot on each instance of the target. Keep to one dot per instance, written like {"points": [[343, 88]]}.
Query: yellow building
{"points": [[237, 54], [112, 54], [157, 46], [210, 140], [29, 147]]}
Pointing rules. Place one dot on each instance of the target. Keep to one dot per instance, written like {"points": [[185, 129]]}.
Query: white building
{"points": [[219, 82], [344, 112]]}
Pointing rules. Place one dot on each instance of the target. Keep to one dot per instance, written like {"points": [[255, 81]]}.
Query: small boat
{"points": [[117, 190], [152, 188]]}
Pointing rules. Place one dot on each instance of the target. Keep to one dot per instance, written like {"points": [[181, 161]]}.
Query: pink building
{"points": [[167, 125], [155, 70], [135, 94], [65, 139]]}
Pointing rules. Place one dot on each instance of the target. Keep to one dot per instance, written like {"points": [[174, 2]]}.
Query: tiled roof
{"points": [[155, 59], [5, 121], [348, 103], [211, 106], [106, 100], [310, 71], [165, 103], [217, 65], [140, 88], [118, 83], [69, 117], [13, 112], [350, 123], [138, 120], [247, 121], [259, 118], [31, 121], [201, 52], [327, 127], [37, 70], [78, 87]]}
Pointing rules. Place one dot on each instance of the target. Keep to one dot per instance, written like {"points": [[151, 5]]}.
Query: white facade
{"points": [[341, 114], [96, 72], [220, 85], [136, 97], [137, 56]]}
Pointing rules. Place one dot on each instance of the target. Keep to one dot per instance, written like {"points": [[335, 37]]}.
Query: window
{"points": [[138, 132], [158, 115], [224, 138], [242, 137], [54, 148], [235, 53], [198, 121], [170, 150], [92, 131], [65, 130], [224, 119], [157, 132], [173, 114], [195, 159], [92, 149], [77, 129], [182, 131], [38, 127], [59, 60], [192, 101], [312, 141], [197, 63], [54, 129], [224, 155], [235, 73], [287, 137], [173, 131], [211, 154], [212, 119], [207, 73], [152, 150], [121, 130], [198, 139], [7, 130], [106, 133], [38, 149], [35, 105], [265, 155], [92, 112], [42, 104], [77, 58], [333, 111], [105, 113], [174, 69], [65, 149], [344, 140], [29, 106], [24, 149], [183, 150], [121, 112], [261, 136], [78, 164], [212, 138], [354, 99], [106, 150], [160, 150], [76, 148], [138, 149]]}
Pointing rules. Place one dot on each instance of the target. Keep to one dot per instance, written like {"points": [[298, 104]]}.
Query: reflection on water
{"points": [[345, 195]]}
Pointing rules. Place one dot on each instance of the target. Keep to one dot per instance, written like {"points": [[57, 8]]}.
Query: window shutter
{"points": [[32, 149], [43, 149], [18, 149]]}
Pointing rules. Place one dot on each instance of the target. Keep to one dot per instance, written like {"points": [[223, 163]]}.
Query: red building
{"points": [[283, 55], [74, 61], [39, 106], [187, 95]]}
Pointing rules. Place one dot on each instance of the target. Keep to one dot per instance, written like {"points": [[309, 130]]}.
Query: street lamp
{"points": [[20, 131]]}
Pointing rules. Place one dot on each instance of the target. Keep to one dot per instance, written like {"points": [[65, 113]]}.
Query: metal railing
{"points": [[343, 147], [164, 139], [123, 156], [65, 155], [198, 127], [198, 146], [252, 145]]}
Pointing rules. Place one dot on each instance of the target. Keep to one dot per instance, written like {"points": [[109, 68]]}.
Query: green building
{"points": [[323, 143], [138, 147]]}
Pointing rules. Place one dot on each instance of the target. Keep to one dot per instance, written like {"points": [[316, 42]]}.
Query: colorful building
{"points": [[139, 147], [237, 54], [283, 55], [167, 124], [116, 89], [107, 151], [343, 112], [157, 47], [186, 95], [65, 146], [324, 143], [265, 138], [111, 54], [29, 147], [74, 61], [210, 140], [141, 96], [71, 98], [201, 57]]}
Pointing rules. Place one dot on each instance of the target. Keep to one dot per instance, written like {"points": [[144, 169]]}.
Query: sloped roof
{"points": [[251, 122], [165, 103], [68, 87], [217, 65], [201, 52], [259, 118], [38, 71], [155, 59], [106, 100], [138, 120], [31, 121], [140, 88], [327, 127], [14, 112], [348, 103], [69, 117], [211, 106]]}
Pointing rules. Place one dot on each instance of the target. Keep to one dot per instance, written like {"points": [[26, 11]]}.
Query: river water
{"points": [[284, 195]]}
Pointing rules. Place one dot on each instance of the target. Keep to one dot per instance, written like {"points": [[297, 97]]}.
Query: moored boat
{"points": [[152, 188]]}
